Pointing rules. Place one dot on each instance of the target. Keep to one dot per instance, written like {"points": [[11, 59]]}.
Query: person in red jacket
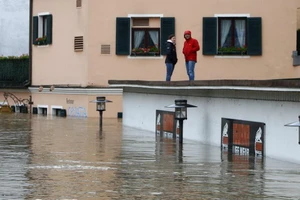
{"points": [[190, 48]]}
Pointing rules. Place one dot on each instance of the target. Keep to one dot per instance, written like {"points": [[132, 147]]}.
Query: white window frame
{"points": [[39, 107], [53, 108], [148, 16], [230, 15], [41, 23]]}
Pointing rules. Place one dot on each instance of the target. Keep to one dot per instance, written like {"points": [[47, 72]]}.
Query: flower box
{"points": [[150, 51], [145, 54], [232, 53], [232, 50], [41, 41]]}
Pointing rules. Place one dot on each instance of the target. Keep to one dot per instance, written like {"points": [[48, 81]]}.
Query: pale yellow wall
{"points": [[278, 25], [112, 108], [58, 63], [80, 105], [298, 18], [77, 103], [96, 20], [14, 94]]}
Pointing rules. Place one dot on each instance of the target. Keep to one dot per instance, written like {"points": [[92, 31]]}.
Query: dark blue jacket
{"points": [[171, 53]]}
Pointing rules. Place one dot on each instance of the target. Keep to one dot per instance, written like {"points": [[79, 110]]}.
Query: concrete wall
{"points": [[14, 27], [204, 122]]}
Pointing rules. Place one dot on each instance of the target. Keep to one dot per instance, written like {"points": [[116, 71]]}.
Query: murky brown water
{"points": [[69, 158]]}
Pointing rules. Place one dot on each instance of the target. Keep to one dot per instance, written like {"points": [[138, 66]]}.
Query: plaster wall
{"points": [[77, 104], [204, 122], [274, 63], [59, 64], [14, 27]]}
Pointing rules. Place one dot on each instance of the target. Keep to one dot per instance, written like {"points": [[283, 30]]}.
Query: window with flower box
{"points": [[42, 29], [145, 42], [138, 38], [232, 36]]}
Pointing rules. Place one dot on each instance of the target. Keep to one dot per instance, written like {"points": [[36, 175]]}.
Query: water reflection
{"points": [[46, 157], [14, 155]]}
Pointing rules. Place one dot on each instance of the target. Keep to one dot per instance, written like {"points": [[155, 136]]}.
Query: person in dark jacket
{"points": [[190, 48], [171, 58]]}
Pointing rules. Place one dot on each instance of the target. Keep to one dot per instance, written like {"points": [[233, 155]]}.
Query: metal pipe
{"points": [[100, 118], [299, 131], [180, 131], [30, 40]]}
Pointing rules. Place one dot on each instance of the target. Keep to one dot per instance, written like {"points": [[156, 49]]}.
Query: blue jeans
{"points": [[170, 69], [190, 69]]}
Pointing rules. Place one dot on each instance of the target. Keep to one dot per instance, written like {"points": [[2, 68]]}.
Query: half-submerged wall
{"points": [[273, 103]]}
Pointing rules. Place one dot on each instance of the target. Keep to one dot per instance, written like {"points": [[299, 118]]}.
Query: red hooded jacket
{"points": [[190, 48]]}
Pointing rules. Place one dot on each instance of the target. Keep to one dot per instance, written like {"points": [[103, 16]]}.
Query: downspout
{"points": [[30, 40]]}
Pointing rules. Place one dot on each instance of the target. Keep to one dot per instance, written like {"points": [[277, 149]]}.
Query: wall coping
{"points": [[274, 90], [271, 83]]}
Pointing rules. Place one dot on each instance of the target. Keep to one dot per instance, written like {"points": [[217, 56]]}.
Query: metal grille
{"points": [[78, 3], [140, 21], [78, 43], [105, 49]]}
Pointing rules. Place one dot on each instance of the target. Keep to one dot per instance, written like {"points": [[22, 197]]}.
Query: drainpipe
{"points": [[30, 40]]}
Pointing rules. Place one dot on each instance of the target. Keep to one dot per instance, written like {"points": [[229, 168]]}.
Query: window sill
{"points": [[149, 54], [233, 53], [232, 56], [145, 57], [41, 46]]}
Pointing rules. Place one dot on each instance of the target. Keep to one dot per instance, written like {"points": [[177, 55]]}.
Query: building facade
{"points": [[78, 45]]}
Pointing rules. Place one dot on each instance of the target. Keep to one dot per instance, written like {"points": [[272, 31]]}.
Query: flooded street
{"points": [[45, 157]]}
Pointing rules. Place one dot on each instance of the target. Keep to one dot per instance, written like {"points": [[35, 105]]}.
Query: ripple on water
{"points": [[45, 157]]}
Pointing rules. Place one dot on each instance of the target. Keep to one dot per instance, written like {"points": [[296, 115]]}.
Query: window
{"points": [[140, 37], [43, 22], [42, 29], [145, 42], [232, 36]]}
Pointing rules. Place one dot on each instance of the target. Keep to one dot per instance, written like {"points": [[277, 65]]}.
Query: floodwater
{"points": [[45, 157]]}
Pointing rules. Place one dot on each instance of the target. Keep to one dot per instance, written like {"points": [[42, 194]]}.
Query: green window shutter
{"points": [[254, 36], [167, 27], [123, 36], [209, 38], [49, 29], [35, 29]]}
